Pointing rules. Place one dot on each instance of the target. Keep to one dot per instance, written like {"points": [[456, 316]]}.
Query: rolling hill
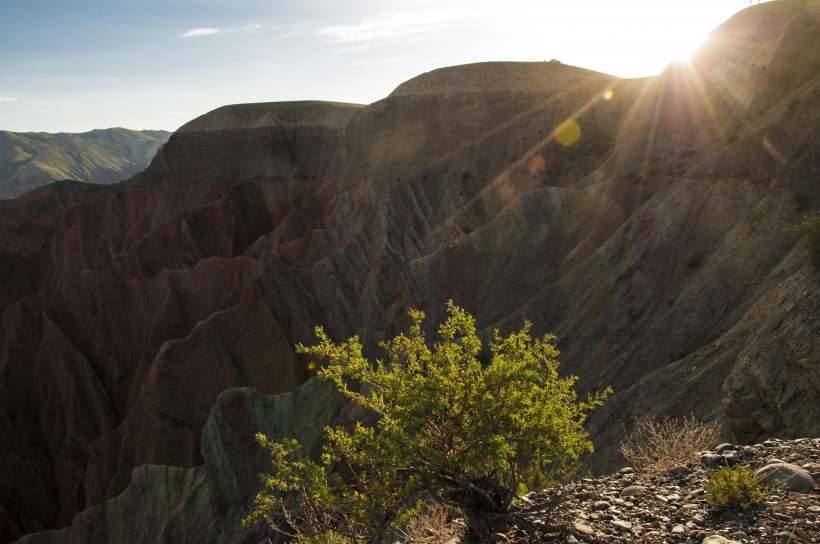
{"points": [[32, 159]]}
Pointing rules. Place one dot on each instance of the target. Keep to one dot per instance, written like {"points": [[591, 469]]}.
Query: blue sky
{"points": [[77, 65]]}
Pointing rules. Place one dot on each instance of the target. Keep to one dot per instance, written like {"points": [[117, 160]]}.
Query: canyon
{"points": [[148, 327]]}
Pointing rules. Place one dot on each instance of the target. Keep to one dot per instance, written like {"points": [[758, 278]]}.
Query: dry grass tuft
{"points": [[655, 446], [434, 526]]}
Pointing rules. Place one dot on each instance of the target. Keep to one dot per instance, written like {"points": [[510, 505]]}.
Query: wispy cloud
{"points": [[391, 26], [195, 32], [354, 49], [7, 99]]}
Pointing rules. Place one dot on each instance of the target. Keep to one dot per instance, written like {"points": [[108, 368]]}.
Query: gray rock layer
{"points": [[165, 504]]}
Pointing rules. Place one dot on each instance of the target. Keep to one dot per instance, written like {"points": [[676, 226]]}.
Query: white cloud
{"points": [[194, 32], [391, 26], [7, 99]]}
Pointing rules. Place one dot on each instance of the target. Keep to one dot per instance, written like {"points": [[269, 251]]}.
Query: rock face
{"points": [[640, 220], [171, 504], [32, 159]]}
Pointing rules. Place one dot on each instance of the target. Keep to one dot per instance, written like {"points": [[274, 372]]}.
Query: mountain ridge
{"points": [[32, 159]]}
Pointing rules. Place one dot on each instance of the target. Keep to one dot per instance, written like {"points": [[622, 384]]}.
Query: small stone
{"points": [[739, 535], [600, 505], [678, 529], [724, 447], [698, 519], [718, 539], [626, 470], [571, 540], [730, 459], [632, 490], [712, 460], [785, 537], [583, 529], [623, 526], [499, 537], [680, 470], [786, 475]]}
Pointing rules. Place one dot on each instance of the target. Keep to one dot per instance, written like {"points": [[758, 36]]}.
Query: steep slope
{"points": [[32, 159], [641, 221]]}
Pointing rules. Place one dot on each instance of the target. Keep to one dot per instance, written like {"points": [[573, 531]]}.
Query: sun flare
{"points": [[682, 47]]}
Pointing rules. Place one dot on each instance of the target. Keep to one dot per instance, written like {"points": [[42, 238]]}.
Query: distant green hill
{"points": [[31, 159]]}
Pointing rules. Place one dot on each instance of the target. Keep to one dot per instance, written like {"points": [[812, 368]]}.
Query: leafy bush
{"points": [[809, 231], [655, 446], [449, 431], [735, 487]]}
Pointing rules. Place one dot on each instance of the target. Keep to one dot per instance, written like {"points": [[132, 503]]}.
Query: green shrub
{"points": [[735, 487], [809, 231], [449, 431]]}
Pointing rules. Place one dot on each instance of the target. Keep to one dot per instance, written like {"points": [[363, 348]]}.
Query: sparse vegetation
{"points": [[809, 231], [449, 431], [735, 487], [655, 446], [730, 137], [432, 526], [693, 262], [793, 104]]}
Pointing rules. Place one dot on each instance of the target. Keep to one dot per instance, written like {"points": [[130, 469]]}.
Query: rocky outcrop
{"points": [[641, 221], [629, 506], [32, 159], [171, 504]]}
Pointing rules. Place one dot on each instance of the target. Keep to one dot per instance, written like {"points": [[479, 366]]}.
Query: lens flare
{"points": [[537, 164], [608, 94], [568, 133], [773, 151]]}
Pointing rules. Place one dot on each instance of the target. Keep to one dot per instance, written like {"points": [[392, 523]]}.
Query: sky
{"points": [[73, 66]]}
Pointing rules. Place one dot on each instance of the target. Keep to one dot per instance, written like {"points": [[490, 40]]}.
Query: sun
{"points": [[682, 46]]}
